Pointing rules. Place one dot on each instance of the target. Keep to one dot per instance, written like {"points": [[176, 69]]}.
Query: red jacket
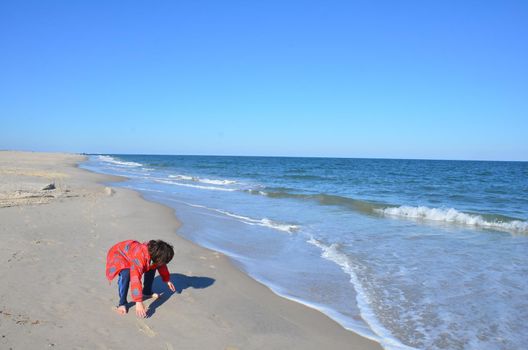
{"points": [[134, 256]]}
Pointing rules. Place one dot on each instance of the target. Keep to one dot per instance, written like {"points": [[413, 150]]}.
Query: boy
{"points": [[131, 260]]}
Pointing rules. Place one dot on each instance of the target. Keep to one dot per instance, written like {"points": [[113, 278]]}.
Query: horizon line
{"points": [[264, 156], [318, 157]]}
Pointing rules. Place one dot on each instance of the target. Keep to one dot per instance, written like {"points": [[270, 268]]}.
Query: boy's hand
{"points": [[141, 312], [171, 286]]}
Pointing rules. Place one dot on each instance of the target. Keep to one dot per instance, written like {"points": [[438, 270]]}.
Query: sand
{"points": [[54, 293]]}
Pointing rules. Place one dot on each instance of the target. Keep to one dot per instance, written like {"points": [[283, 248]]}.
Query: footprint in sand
{"points": [[143, 327], [15, 256]]}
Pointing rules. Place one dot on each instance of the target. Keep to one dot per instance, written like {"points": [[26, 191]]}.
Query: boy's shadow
{"points": [[180, 282]]}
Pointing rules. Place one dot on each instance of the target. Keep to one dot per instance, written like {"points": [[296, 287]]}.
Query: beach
{"points": [[54, 293], [381, 246]]}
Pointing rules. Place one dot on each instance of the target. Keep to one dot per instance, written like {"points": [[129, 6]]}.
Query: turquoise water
{"points": [[412, 253]]}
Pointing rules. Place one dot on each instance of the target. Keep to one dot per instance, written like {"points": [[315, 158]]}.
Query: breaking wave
{"points": [[451, 215], [447, 215], [365, 207], [182, 177], [109, 159], [202, 180], [212, 188]]}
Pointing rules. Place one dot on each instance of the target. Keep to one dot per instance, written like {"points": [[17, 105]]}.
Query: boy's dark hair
{"points": [[160, 252]]}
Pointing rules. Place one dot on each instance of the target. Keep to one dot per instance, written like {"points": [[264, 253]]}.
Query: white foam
{"points": [[212, 188], [182, 177], [112, 160], [251, 221], [333, 254], [451, 215], [217, 182], [203, 180]]}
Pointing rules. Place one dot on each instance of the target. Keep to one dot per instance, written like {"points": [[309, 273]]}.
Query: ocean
{"points": [[415, 254]]}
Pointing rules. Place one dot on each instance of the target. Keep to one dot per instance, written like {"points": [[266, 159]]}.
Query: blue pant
{"points": [[123, 283]]}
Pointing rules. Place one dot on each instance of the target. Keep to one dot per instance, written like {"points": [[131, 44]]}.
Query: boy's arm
{"points": [[135, 283], [165, 275], [163, 270]]}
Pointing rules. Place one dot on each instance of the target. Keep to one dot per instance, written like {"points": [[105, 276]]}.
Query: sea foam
{"points": [[332, 253], [109, 159], [182, 177], [251, 221], [212, 188], [202, 180], [451, 215]]}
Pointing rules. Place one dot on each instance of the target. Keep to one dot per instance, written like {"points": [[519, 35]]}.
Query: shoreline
{"points": [[218, 307]]}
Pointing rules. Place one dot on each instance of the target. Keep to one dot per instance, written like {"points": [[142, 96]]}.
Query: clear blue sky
{"points": [[397, 79]]}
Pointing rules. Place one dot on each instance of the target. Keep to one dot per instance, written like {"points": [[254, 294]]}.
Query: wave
{"points": [[365, 207], [251, 221], [109, 159], [451, 215], [303, 177], [258, 192], [202, 180], [182, 177], [213, 188], [334, 254], [218, 182]]}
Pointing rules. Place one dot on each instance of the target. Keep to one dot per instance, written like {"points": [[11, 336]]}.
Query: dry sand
{"points": [[54, 294]]}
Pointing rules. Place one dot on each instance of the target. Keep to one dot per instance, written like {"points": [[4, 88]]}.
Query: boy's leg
{"points": [[123, 283], [148, 279]]}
